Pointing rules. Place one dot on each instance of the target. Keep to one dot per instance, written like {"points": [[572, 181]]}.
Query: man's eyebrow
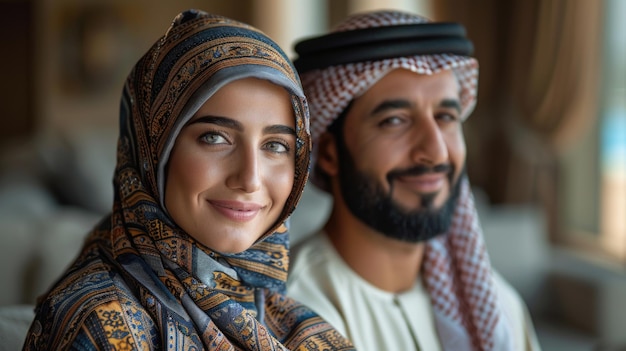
{"points": [[400, 103], [221, 121], [390, 105], [451, 103]]}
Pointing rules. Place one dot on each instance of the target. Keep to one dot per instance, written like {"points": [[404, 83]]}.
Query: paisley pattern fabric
{"points": [[456, 269], [140, 282]]}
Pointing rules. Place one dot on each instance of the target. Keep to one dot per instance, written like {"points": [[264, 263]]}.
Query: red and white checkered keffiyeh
{"points": [[329, 90], [456, 267]]}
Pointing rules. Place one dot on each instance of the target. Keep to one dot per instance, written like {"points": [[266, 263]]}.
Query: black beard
{"points": [[367, 201]]}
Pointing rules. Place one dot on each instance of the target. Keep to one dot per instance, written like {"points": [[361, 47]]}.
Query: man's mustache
{"points": [[419, 170]]}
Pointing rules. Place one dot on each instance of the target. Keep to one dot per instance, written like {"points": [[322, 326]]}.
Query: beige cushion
{"points": [[14, 323]]}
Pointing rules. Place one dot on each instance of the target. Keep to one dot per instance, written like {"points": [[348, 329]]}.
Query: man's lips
{"points": [[424, 183], [236, 210]]}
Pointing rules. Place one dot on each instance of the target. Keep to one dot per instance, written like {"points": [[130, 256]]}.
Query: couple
{"points": [[213, 155]]}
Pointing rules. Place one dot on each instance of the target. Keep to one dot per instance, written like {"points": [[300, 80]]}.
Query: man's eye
{"points": [[213, 138], [446, 117], [391, 121]]}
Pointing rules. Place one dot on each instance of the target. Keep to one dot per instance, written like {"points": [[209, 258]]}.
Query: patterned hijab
{"points": [[177, 293], [456, 267]]}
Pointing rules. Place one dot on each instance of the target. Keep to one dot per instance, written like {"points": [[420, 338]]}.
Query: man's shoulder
{"points": [[316, 278], [504, 289], [309, 243], [313, 253], [515, 310]]}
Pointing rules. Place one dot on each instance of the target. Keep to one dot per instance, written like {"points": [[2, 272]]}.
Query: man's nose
{"points": [[429, 145]]}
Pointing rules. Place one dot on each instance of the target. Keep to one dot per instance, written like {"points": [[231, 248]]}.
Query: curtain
{"points": [[555, 83], [538, 92]]}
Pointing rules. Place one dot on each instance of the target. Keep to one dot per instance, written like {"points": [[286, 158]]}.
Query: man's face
{"points": [[403, 154]]}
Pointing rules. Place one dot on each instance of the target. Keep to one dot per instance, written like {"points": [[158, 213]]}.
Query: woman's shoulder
{"points": [[90, 293], [88, 275], [114, 320]]}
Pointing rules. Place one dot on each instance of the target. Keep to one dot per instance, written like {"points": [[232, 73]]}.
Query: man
{"points": [[400, 264]]}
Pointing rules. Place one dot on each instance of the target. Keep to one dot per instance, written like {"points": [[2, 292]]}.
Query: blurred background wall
{"points": [[546, 143]]}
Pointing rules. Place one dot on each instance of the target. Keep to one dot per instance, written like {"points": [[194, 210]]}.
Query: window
{"points": [[593, 184]]}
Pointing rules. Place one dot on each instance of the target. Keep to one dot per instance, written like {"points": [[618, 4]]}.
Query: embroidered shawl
{"points": [[140, 282], [456, 268]]}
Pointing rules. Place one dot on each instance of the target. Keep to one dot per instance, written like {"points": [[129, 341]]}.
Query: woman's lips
{"points": [[236, 210]]}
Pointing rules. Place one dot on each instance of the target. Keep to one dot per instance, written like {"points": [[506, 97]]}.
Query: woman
{"points": [[213, 155]]}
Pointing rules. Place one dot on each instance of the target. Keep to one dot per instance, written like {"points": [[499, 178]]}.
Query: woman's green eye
{"points": [[278, 147], [213, 138]]}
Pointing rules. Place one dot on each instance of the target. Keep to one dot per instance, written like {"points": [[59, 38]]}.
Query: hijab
{"points": [[141, 282]]}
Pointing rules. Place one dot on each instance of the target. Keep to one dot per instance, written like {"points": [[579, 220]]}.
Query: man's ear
{"points": [[327, 159]]}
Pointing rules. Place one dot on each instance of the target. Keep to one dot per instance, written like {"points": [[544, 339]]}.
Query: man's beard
{"points": [[367, 201]]}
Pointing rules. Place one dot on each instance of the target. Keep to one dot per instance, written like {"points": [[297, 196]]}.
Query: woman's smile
{"points": [[236, 210]]}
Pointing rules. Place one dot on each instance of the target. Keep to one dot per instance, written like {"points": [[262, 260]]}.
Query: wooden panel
{"points": [[17, 110]]}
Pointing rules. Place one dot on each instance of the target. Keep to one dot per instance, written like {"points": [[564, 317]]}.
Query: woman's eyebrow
{"points": [[234, 124], [279, 129], [221, 121]]}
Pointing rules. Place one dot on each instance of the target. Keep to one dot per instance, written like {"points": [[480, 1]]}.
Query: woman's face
{"points": [[232, 167]]}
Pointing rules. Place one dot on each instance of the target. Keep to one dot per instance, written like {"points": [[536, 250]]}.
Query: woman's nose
{"points": [[245, 173]]}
